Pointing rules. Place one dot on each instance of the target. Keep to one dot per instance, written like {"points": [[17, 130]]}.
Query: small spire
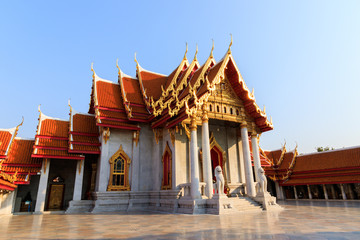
{"points": [[264, 110], [21, 122], [253, 92], [229, 51], [212, 49], [136, 60], [39, 108], [195, 57], [271, 120], [117, 65], [92, 69], [185, 58], [70, 105]]}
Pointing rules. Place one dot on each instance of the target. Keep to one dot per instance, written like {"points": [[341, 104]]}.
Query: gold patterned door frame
{"points": [[215, 144], [120, 155], [167, 151]]}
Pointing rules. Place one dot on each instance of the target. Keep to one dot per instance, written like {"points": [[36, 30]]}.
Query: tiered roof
{"points": [[83, 133], [162, 100], [62, 139], [20, 162], [330, 167], [7, 137], [51, 139]]}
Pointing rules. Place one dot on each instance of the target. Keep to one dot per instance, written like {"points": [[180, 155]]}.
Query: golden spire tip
{"points": [[212, 49], [117, 65], [230, 43], [136, 59], [195, 57], [186, 51], [39, 108]]}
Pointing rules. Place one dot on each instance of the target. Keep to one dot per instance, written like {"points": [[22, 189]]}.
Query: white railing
{"points": [[185, 189]]}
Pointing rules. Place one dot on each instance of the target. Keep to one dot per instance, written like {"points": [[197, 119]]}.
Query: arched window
{"points": [[167, 166], [119, 171]]}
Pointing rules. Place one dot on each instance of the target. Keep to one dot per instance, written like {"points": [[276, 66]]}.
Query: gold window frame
{"points": [[126, 187]]}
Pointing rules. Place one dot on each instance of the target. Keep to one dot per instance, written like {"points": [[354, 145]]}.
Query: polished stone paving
{"points": [[299, 220]]}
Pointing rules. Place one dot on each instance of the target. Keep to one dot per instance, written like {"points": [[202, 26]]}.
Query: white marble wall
{"points": [[181, 165], [7, 202]]}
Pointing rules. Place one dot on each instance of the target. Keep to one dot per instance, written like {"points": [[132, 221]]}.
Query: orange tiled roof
{"points": [[84, 134], [152, 82], [52, 138], [330, 167], [109, 95], [5, 139]]}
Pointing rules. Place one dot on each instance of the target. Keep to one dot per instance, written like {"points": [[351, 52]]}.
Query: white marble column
{"points": [[295, 192], [250, 186], [79, 176], [41, 194], [333, 191], [325, 192], [343, 192], [194, 161], [256, 155], [207, 171], [103, 170], [309, 191]]}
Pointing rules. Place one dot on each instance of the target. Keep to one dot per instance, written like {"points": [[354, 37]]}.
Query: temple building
{"points": [[155, 142]]}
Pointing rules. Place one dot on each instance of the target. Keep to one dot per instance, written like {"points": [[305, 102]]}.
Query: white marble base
{"points": [[268, 202], [82, 206]]}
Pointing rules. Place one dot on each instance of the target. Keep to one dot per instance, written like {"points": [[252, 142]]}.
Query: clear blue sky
{"points": [[301, 57]]}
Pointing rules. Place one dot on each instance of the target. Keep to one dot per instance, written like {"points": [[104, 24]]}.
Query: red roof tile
{"points": [[109, 95], [5, 138]]}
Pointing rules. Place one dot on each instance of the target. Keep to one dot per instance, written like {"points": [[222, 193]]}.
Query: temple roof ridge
{"points": [[10, 130], [330, 151], [25, 139]]}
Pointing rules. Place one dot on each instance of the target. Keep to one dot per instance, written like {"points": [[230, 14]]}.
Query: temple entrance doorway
{"points": [[216, 160], [56, 197]]}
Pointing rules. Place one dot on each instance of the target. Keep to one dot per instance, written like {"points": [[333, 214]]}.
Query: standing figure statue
{"points": [[220, 182], [263, 180]]}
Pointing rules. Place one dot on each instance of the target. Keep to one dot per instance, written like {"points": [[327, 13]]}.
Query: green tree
{"points": [[323, 149]]}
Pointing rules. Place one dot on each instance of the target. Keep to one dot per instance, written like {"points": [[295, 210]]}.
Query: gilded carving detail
{"points": [[106, 134]]}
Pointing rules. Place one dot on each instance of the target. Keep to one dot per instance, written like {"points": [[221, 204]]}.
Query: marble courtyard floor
{"points": [[299, 220]]}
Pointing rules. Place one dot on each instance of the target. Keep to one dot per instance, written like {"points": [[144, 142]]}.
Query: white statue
{"points": [[263, 180], [220, 182]]}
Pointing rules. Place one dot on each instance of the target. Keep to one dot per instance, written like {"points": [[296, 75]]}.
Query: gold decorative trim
{"points": [[187, 130], [136, 137], [126, 187], [106, 134], [215, 144], [158, 132], [8, 177], [172, 135]]}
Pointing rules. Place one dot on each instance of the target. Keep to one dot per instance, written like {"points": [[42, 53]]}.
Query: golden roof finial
{"points": [[136, 60], [271, 120], [92, 69], [186, 51], [212, 49], [39, 110], [17, 127], [253, 92], [229, 51], [264, 110], [70, 105], [195, 57], [117, 65]]}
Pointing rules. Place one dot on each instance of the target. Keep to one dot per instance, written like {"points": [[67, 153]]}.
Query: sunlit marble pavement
{"points": [[299, 220]]}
